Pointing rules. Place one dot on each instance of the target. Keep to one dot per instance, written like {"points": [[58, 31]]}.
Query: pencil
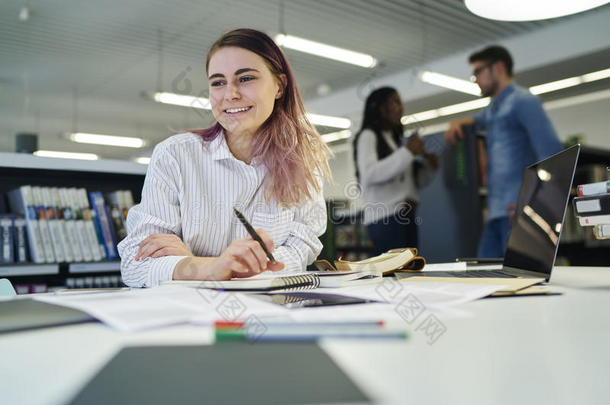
{"points": [[253, 233]]}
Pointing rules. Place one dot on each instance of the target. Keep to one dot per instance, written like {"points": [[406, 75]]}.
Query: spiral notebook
{"points": [[271, 282]]}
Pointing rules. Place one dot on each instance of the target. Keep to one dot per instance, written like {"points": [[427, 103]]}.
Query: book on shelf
{"points": [[120, 202], [20, 239], [269, 281], [61, 244], [79, 224], [20, 202], [602, 231], [94, 235], [594, 220], [72, 229], [600, 187], [7, 243], [58, 224], [118, 223], [104, 220], [79, 197], [403, 259], [71, 248], [98, 232], [592, 205], [43, 225]]}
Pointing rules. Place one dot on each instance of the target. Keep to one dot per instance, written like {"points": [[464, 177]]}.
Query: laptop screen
{"points": [[536, 228]]}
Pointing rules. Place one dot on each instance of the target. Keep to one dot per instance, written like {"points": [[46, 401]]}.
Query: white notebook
{"points": [[269, 281]]}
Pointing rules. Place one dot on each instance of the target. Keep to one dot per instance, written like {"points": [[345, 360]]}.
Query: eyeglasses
{"points": [[477, 71]]}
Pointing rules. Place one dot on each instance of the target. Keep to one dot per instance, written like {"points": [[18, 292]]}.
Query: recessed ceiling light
{"points": [[450, 82], [556, 85], [325, 51], [182, 100], [66, 155], [335, 136], [143, 160], [527, 10], [329, 121], [108, 140]]}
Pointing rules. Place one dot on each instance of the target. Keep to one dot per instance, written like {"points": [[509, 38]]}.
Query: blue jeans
{"points": [[495, 238], [395, 231]]}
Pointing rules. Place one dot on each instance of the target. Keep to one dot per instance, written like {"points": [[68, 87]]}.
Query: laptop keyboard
{"points": [[484, 273], [467, 273]]}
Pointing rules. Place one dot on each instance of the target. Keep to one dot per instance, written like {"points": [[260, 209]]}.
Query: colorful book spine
{"points": [[19, 238], [80, 198], [592, 205], [594, 220], [20, 201], [57, 237], [98, 204], [43, 224], [71, 230], [118, 212], [602, 231], [6, 239], [601, 187], [82, 235], [95, 223], [128, 201], [53, 207], [98, 232]]}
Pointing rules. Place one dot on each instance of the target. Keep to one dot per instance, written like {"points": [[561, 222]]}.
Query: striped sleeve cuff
{"points": [[161, 269]]}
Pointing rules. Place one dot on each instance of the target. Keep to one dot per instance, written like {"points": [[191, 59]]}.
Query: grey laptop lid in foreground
{"points": [[536, 229], [24, 313]]}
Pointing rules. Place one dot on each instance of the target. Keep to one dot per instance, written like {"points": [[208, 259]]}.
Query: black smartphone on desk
{"points": [[309, 299]]}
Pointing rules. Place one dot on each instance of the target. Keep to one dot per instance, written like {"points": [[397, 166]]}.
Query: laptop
{"points": [[24, 313], [538, 221]]}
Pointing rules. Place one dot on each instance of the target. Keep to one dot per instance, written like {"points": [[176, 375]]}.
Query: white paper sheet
{"points": [[140, 309], [429, 294]]}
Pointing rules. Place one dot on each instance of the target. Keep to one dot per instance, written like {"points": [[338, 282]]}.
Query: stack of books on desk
{"points": [[592, 207]]}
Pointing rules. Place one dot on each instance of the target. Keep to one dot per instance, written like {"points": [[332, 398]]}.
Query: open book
{"points": [[404, 259], [269, 281]]}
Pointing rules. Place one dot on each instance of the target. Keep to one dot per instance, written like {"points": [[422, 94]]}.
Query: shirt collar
{"points": [[504, 93], [218, 148]]}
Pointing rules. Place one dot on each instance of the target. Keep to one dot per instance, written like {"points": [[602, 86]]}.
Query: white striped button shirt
{"points": [[190, 190]]}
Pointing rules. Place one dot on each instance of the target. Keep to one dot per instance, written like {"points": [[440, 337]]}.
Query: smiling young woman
{"points": [[261, 156]]}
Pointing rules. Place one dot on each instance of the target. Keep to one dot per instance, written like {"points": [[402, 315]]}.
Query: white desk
{"points": [[542, 350]]}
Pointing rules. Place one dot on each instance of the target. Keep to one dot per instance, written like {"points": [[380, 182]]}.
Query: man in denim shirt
{"points": [[518, 133]]}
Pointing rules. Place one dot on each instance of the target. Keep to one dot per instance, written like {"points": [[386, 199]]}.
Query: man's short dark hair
{"points": [[493, 54]]}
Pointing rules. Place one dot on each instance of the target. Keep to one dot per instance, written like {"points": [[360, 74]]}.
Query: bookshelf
{"points": [[101, 175], [578, 245], [345, 235]]}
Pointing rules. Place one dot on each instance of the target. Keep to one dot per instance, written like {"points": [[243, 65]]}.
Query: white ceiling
{"points": [[84, 64]]}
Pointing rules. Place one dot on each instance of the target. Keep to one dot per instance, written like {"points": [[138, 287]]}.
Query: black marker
{"points": [[253, 233]]}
